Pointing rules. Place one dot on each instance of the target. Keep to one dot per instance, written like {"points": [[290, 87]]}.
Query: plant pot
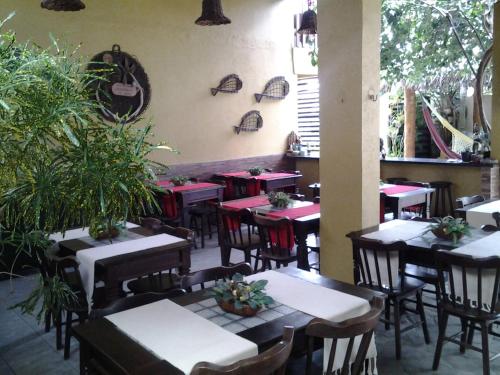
{"points": [[108, 234], [179, 183], [255, 173], [230, 308], [439, 233]]}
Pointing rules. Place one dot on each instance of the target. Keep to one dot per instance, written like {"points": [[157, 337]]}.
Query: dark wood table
{"points": [[462, 212], [275, 181], [102, 340], [113, 271], [398, 201]]}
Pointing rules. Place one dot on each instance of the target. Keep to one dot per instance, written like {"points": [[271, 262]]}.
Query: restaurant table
{"points": [[102, 340], [481, 214], [267, 181], [193, 193], [305, 217], [420, 244], [401, 196], [114, 270], [462, 212]]}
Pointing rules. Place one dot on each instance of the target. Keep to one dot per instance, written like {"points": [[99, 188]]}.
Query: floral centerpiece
{"points": [[450, 228], [240, 297], [179, 180], [255, 171], [105, 229], [279, 199]]}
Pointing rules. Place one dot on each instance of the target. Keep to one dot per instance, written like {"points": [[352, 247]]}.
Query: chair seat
{"points": [[157, 283], [410, 286], [285, 257], [247, 244], [427, 275]]}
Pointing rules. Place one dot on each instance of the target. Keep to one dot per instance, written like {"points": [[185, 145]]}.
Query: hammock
{"points": [[460, 141]]}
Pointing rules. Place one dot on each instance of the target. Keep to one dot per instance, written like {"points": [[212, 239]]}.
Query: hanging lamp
{"points": [[309, 24], [212, 14], [63, 5]]}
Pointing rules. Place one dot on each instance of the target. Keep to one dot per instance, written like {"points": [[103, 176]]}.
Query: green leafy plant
{"points": [[241, 293], [179, 180], [255, 171], [279, 199], [450, 228]]}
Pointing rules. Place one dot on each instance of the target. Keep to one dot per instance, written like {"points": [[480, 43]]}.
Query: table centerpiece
{"points": [[279, 199], [255, 171], [179, 180], [450, 228]]}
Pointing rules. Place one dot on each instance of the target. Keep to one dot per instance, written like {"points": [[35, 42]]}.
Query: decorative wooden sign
{"points": [[251, 122], [230, 84], [277, 88]]}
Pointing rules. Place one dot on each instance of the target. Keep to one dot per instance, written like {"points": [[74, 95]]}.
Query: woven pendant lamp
{"points": [[63, 5], [212, 14], [309, 25]]}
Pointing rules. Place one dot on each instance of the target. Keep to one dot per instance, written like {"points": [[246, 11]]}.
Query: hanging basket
{"points": [[251, 122]]}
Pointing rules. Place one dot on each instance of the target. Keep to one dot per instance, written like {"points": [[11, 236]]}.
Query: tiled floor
{"points": [[26, 349]]}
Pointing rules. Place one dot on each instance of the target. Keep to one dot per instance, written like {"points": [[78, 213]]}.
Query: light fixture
{"points": [[63, 5], [309, 24], [212, 14]]}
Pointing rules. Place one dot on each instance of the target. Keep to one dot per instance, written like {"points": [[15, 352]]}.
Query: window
{"points": [[308, 111]]}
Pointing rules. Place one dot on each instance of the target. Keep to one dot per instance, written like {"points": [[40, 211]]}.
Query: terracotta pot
{"points": [[439, 233], [245, 311]]}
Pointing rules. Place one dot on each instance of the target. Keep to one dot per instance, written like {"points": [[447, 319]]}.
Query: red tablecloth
{"points": [[270, 176], [257, 201], [398, 189], [164, 183], [295, 213], [234, 174], [200, 185]]}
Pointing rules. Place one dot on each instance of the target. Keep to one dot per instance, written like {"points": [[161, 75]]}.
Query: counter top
{"points": [[311, 155], [446, 162]]}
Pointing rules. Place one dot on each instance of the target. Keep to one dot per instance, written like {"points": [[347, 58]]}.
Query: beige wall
{"points": [[184, 61]]}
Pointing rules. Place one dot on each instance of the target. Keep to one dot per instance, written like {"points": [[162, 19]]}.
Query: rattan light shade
{"points": [[212, 14], [63, 5]]}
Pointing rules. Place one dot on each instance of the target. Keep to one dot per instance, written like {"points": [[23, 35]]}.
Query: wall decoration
{"points": [[229, 84], [124, 92], [277, 88], [63, 5], [212, 14], [251, 122]]}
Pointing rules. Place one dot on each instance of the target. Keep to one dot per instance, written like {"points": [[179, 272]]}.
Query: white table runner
{"points": [[398, 230], [181, 337], [481, 215], [88, 257], [320, 302]]}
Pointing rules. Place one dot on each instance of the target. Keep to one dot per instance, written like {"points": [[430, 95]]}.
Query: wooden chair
{"points": [[236, 232], [132, 302], [272, 361], [469, 291], [214, 274], [171, 214], [463, 202], [165, 280], [492, 228], [379, 266], [348, 329], [277, 241]]}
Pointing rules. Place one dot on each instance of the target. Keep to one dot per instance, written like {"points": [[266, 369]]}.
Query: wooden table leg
{"points": [[302, 254], [225, 254]]}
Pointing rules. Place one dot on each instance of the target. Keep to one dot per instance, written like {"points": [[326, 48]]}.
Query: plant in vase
{"points": [[179, 180], [61, 165], [255, 171], [240, 297], [279, 199], [450, 228]]}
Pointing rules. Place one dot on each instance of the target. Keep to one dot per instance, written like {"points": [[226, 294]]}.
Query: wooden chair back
{"points": [[214, 274], [235, 227], [132, 302], [168, 204], [467, 201], [276, 235], [297, 197], [181, 232], [363, 326], [380, 263], [272, 361], [151, 223], [67, 269], [468, 285]]}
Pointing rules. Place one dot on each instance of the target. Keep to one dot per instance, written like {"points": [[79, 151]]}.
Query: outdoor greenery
{"points": [[61, 165], [279, 199], [240, 293]]}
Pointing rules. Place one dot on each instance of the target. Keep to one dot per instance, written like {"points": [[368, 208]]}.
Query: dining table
{"points": [[170, 336], [479, 214], [267, 181], [136, 252], [305, 217], [403, 196], [192, 192]]}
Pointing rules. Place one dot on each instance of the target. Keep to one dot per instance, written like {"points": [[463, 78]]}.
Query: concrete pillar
{"points": [[495, 100], [349, 71]]}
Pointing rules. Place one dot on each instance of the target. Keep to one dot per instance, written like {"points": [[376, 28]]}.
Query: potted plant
{"points": [[279, 199], [255, 171], [240, 297], [450, 228], [179, 180]]}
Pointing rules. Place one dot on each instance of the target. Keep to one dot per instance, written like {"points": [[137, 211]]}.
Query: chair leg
{"points": [[439, 344], [397, 329], [387, 314], [48, 317], [248, 257], [257, 257], [310, 350], [463, 336], [202, 229], [67, 336], [485, 347], [58, 324], [420, 308], [470, 336]]}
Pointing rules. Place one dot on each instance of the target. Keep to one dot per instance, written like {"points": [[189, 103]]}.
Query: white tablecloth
{"points": [[181, 337], [398, 230], [88, 257], [320, 302], [481, 215]]}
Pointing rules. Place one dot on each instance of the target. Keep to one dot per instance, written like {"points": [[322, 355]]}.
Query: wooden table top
{"points": [[105, 338]]}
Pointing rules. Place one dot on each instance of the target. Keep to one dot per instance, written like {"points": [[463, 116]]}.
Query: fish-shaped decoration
{"points": [[276, 88], [229, 84], [250, 122]]}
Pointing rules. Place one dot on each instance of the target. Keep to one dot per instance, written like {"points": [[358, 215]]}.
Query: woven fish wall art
{"points": [[250, 122], [230, 84], [277, 88]]}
